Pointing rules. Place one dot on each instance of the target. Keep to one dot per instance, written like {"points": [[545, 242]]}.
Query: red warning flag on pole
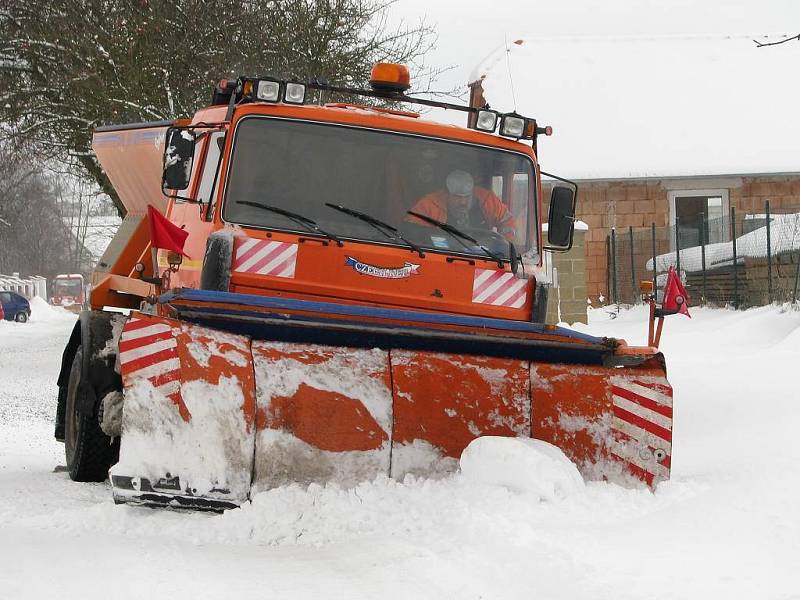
{"points": [[676, 300], [164, 234]]}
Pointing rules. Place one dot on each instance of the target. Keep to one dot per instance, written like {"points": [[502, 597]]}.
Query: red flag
{"points": [[675, 297], [164, 234]]}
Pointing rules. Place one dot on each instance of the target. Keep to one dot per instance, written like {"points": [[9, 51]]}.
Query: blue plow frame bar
{"points": [[328, 323]]}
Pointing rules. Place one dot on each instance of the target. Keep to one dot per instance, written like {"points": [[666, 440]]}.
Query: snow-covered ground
{"points": [[726, 526]]}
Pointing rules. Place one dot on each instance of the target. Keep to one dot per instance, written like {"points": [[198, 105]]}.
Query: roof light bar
{"points": [[388, 81]]}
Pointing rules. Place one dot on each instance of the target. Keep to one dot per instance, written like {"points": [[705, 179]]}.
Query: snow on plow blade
{"points": [[222, 416], [188, 415]]}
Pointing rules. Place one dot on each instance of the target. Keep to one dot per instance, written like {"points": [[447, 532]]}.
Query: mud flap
{"points": [[188, 423]]}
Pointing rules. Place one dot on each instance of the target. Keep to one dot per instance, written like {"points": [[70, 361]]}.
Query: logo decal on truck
{"points": [[407, 270]]}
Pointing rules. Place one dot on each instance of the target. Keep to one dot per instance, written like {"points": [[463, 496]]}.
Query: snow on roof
{"points": [[784, 237], [653, 106]]}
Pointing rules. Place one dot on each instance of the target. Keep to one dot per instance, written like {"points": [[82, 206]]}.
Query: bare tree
{"points": [[32, 235], [781, 41], [67, 66]]}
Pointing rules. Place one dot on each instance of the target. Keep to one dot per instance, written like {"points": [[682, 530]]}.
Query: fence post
{"points": [[735, 260], [634, 287], [677, 246], [703, 253], [614, 265], [655, 269], [769, 255], [796, 276]]}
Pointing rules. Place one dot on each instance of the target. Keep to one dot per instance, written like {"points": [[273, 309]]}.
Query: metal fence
{"points": [[738, 260]]}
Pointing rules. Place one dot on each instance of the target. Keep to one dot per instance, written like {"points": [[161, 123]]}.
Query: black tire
{"points": [[21, 317], [216, 272], [90, 452]]}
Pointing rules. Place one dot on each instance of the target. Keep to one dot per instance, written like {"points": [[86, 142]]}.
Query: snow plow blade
{"points": [[188, 417], [255, 392]]}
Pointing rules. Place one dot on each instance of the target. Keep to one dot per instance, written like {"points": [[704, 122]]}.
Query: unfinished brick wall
{"points": [[569, 299], [624, 203]]}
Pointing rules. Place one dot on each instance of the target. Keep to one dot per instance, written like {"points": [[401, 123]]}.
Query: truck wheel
{"points": [[21, 317], [216, 272], [90, 452]]}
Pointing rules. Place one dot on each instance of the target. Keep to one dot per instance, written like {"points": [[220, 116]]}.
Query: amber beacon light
{"points": [[390, 77]]}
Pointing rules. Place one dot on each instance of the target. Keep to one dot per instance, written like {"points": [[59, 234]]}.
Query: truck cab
{"points": [[316, 203]]}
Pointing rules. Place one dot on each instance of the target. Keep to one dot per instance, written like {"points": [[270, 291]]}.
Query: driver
{"points": [[464, 205]]}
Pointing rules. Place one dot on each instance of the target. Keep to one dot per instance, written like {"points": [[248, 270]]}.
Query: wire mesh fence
{"points": [[739, 260]]}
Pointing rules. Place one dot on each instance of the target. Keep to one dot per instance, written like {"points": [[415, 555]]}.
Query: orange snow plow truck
{"points": [[356, 295]]}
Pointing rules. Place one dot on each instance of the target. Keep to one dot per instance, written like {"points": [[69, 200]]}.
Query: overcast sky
{"points": [[468, 31], [632, 88]]}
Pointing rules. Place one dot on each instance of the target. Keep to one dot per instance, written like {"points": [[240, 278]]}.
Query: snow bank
{"points": [[523, 465], [725, 526], [42, 312]]}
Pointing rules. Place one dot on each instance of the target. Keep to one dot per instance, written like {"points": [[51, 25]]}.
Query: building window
{"points": [[691, 209]]}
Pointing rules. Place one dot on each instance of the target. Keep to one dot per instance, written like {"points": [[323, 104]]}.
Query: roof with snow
{"points": [[653, 106], [784, 237]]}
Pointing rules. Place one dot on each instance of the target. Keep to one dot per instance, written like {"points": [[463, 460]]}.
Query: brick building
{"points": [[624, 203]]}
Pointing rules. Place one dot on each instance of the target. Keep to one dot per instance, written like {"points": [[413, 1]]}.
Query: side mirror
{"points": [[178, 158], [561, 221]]}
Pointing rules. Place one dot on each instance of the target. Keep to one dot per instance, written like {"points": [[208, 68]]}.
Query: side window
{"points": [[5, 297], [497, 185], [209, 182], [519, 204]]}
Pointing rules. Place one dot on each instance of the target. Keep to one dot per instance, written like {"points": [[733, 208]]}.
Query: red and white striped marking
{"points": [[642, 427], [148, 349], [499, 288], [265, 257]]}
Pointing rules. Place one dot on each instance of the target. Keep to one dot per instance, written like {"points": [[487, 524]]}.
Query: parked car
{"points": [[15, 307]]}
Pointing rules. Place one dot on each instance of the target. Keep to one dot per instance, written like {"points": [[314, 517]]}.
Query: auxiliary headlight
{"points": [[268, 90], [512, 126], [486, 120], [295, 93]]}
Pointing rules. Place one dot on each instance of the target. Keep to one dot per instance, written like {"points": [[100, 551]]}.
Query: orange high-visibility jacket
{"points": [[495, 213]]}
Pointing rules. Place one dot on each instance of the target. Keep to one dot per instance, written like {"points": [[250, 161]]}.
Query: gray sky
{"points": [[468, 31], [633, 88]]}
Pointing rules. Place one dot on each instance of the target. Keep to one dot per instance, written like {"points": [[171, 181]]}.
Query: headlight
{"points": [[486, 120], [268, 90], [295, 93], [512, 126]]}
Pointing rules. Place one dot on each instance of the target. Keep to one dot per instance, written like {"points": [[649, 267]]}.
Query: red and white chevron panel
{"points": [[642, 426], [499, 288], [265, 257], [148, 349]]}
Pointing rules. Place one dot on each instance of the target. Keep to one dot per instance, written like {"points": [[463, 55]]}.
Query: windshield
{"points": [[67, 287], [299, 166]]}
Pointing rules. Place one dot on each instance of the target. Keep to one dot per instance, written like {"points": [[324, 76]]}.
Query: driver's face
{"points": [[459, 204]]}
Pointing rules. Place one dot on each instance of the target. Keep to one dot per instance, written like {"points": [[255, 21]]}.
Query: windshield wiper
{"points": [[305, 222], [388, 230], [459, 235]]}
